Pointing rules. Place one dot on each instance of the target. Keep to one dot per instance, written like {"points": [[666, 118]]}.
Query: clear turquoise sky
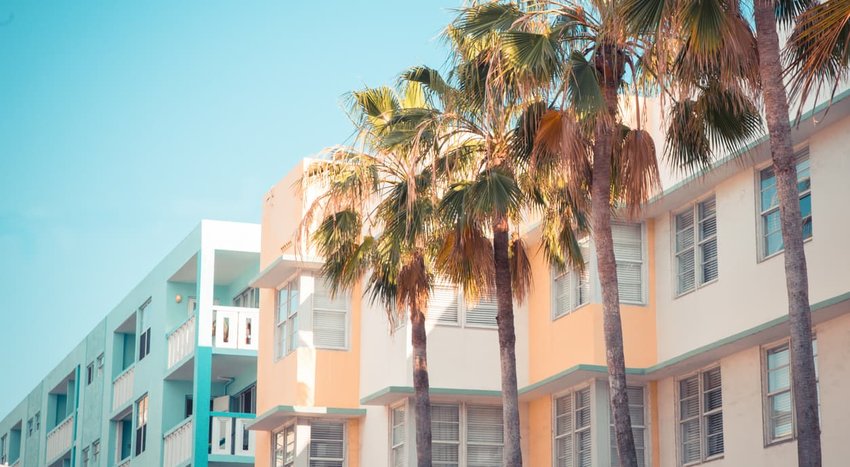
{"points": [[122, 124]]}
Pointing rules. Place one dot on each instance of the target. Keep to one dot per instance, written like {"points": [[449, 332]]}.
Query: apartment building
{"points": [[704, 313], [168, 377]]}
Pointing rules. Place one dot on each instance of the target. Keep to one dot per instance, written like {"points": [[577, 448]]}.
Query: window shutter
{"points": [[443, 304], [329, 317], [685, 262], [636, 412], [628, 252], [563, 431], [484, 312], [708, 240], [398, 437], [484, 436], [563, 301], [327, 441], [445, 435]]}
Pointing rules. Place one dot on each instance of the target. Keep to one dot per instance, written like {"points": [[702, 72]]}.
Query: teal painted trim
{"points": [[667, 363], [234, 352], [201, 405], [749, 147], [233, 415], [432, 391], [248, 460]]}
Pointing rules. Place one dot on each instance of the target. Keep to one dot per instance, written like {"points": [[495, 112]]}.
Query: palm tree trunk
{"points": [[803, 379], [421, 396], [512, 452], [607, 269]]}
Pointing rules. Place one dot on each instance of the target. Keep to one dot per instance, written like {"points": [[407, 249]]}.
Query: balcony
{"points": [[230, 435], [181, 342], [178, 445], [122, 388], [60, 438], [235, 328], [125, 463]]}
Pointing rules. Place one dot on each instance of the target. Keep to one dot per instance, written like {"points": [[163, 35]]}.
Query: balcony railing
{"points": [[181, 342], [122, 388], [178, 445], [235, 328], [125, 463], [230, 435], [59, 439]]}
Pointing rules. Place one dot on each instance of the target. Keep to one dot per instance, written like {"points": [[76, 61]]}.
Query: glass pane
{"points": [[778, 379], [780, 414], [777, 357], [768, 190]]}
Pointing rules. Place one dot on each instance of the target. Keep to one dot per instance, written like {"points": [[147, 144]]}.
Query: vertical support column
{"points": [[302, 443], [306, 351], [203, 355]]}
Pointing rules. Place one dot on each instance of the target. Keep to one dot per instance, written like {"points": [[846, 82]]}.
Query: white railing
{"points": [[230, 436], [235, 328], [59, 439], [122, 388], [126, 463], [178, 445], [181, 342]]}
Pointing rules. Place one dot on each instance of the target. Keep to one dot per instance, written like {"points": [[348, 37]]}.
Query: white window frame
{"points": [[463, 442], [577, 297], [464, 308], [286, 319], [697, 246], [84, 458], [643, 263], [248, 296], [343, 310], [642, 428], [799, 157], [767, 395], [140, 428], [95, 451], [702, 416], [398, 450], [288, 428], [572, 430], [3, 449]]}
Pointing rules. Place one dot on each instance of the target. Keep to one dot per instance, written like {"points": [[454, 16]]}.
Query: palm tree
{"points": [[583, 55], [376, 220], [717, 33]]}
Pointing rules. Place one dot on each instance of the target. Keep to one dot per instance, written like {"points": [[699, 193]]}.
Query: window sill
{"points": [[704, 461], [697, 288], [555, 318], [780, 441]]}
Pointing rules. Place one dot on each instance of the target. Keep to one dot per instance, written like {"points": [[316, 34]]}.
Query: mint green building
{"points": [[168, 377]]}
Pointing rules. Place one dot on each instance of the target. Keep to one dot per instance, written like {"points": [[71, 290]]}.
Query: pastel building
{"points": [[168, 377], [704, 314]]}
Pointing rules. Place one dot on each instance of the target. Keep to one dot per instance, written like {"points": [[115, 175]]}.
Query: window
{"points": [[29, 428], [638, 416], [141, 424], [89, 374], [37, 422], [145, 344], [95, 451], [447, 306], [330, 317], [85, 458], [247, 400], [398, 435], [286, 323], [696, 246], [478, 428], [327, 444], [572, 287], [628, 251], [100, 365], [771, 226], [572, 430], [3, 455], [284, 447], [248, 298], [778, 399], [700, 417]]}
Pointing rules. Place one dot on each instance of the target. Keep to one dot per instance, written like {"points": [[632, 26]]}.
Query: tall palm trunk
{"points": [[607, 263], [421, 396], [796, 276], [512, 453]]}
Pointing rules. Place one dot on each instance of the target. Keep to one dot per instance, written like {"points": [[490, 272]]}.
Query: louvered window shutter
{"points": [[484, 436], [327, 444], [564, 431], [329, 317], [685, 262], [708, 241], [482, 313], [628, 251], [563, 300], [443, 304], [638, 416], [398, 435], [445, 435]]}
